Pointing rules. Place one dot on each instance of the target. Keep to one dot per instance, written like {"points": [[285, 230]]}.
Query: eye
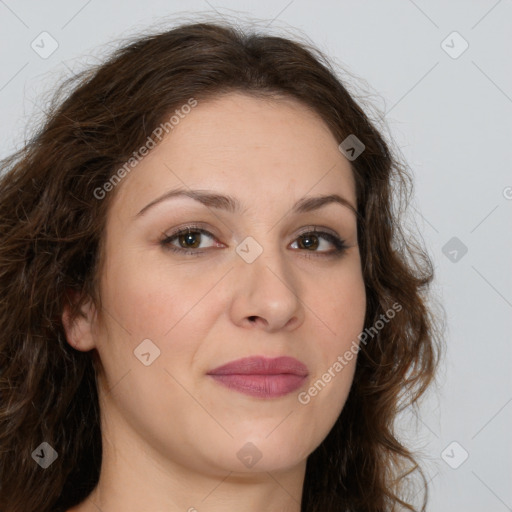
{"points": [[317, 239], [190, 237]]}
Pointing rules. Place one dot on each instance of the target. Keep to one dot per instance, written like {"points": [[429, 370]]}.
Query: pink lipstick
{"points": [[261, 376]]}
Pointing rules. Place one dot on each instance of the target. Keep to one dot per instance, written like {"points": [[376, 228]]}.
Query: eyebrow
{"points": [[233, 205]]}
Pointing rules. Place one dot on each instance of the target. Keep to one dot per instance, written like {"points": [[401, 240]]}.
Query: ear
{"points": [[79, 333]]}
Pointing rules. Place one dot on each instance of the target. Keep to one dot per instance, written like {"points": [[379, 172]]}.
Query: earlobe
{"points": [[79, 332]]}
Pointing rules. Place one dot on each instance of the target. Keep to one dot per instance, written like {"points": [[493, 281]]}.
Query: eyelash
{"points": [[338, 243]]}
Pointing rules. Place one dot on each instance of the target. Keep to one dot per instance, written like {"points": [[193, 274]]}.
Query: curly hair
{"points": [[52, 233]]}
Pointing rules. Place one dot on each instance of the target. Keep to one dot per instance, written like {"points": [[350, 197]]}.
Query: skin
{"points": [[171, 434]]}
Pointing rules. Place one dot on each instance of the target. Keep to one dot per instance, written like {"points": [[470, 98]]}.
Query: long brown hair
{"points": [[52, 228]]}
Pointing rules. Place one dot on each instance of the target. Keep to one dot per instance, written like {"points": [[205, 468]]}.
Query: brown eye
{"points": [[313, 240], [188, 238], [308, 242], [191, 239]]}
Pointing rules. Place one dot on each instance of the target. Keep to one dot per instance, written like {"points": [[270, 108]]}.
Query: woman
{"points": [[208, 302]]}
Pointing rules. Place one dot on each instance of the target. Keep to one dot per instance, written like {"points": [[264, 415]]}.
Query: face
{"points": [[265, 273]]}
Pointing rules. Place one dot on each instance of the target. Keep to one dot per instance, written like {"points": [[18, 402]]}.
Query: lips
{"points": [[262, 377]]}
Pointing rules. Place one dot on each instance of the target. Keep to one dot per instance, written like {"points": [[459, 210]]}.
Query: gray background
{"points": [[451, 115]]}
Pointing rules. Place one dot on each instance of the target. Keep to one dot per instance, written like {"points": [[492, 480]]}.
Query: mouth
{"points": [[262, 377]]}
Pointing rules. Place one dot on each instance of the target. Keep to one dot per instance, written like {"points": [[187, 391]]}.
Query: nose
{"points": [[266, 294]]}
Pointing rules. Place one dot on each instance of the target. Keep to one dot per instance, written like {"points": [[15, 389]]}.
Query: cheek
{"points": [[149, 296], [341, 307], [339, 299], [161, 303]]}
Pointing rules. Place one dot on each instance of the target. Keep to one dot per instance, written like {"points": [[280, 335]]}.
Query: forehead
{"points": [[247, 147]]}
